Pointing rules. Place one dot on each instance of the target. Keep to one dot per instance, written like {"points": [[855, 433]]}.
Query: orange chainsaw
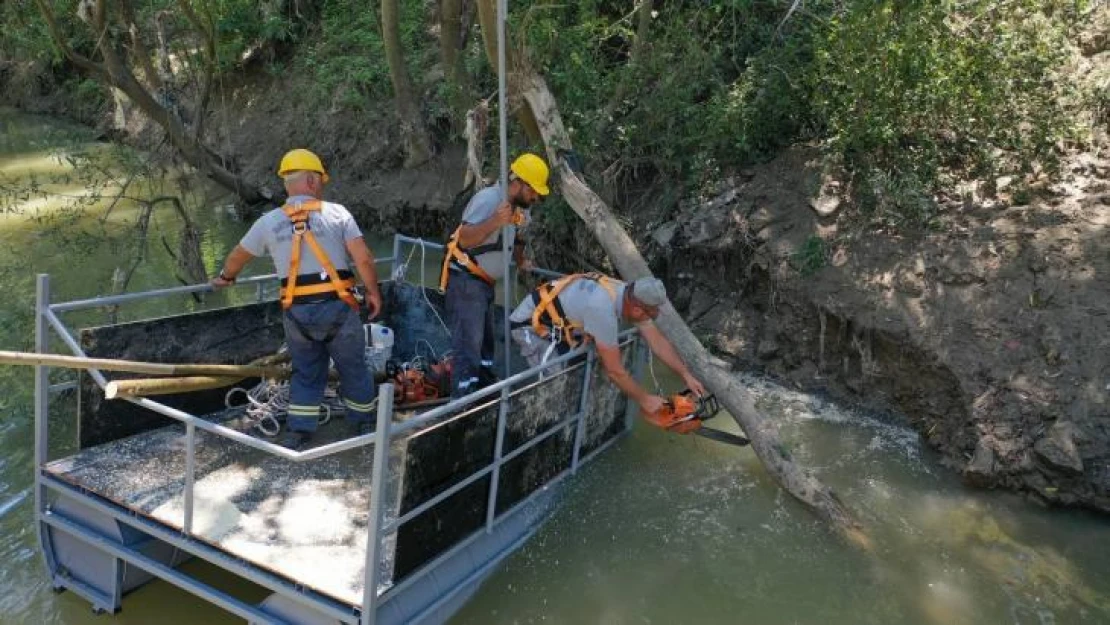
{"points": [[685, 413]]}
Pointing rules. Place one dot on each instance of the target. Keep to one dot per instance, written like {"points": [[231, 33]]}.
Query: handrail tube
{"points": [[395, 524], [480, 473], [123, 298], [333, 448], [190, 475], [401, 238], [153, 567], [71, 343], [435, 413], [498, 447], [236, 564], [42, 410], [376, 515], [583, 403], [216, 428]]}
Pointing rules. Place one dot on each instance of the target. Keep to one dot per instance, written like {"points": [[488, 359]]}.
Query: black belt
{"points": [[519, 324], [315, 299], [308, 279], [458, 270]]}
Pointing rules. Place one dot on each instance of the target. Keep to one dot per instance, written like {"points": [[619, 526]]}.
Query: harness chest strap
{"points": [[548, 306], [299, 214], [465, 259]]}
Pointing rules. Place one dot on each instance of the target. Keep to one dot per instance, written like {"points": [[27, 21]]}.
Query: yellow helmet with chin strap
{"points": [[302, 160], [533, 171]]}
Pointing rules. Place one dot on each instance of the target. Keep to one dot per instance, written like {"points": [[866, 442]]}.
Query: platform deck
{"points": [[304, 521]]}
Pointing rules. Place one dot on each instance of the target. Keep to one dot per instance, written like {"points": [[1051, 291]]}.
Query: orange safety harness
{"points": [[464, 257], [299, 214], [549, 318]]}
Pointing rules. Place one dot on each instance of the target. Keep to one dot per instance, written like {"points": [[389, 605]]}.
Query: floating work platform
{"points": [[421, 521]]}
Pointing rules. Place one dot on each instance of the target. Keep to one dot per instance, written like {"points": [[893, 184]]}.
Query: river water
{"points": [[661, 529]]}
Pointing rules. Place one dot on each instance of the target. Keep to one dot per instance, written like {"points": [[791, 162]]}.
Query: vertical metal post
{"points": [[583, 406], [42, 413], [502, 111], [260, 292], [498, 452], [190, 475], [640, 354], [377, 501], [396, 256]]}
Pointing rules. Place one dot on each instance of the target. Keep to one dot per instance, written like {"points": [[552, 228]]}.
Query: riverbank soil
{"points": [[989, 331]]}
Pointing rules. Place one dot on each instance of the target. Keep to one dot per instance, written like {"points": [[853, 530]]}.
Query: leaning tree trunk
{"points": [[628, 261], [417, 148]]}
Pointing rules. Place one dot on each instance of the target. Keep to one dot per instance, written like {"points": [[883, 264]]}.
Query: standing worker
{"points": [[474, 261], [314, 244], [561, 314]]}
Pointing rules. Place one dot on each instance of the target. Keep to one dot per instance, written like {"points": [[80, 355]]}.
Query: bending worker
{"points": [[314, 245], [561, 314], [474, 261]]}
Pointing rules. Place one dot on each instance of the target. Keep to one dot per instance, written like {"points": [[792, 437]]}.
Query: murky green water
{"points": [[661, 529]]}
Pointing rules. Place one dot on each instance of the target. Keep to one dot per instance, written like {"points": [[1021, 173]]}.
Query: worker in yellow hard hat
{"points": [[474, 262], [314, 246]]}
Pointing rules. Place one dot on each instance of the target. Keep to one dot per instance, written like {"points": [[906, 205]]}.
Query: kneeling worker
{"points": [[474, 262], [584, 307], [313, 245]]}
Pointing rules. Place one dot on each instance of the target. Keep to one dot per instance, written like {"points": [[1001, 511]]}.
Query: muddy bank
{"points": [[991, 334], [255, 118]]}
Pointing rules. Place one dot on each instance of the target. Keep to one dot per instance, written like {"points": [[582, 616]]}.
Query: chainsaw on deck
{"points": [[420, 385], [685, 413]]}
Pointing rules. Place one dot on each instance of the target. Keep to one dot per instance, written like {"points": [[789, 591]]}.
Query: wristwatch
{"points": [[225, 277]]}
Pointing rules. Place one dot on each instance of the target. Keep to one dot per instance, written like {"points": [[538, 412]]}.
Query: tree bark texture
{"points": [[114, 71], [487, 17], [417, 148], [631, 265]]}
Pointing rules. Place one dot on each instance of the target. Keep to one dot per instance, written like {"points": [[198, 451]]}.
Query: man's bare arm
{"points": [[364, 264]]}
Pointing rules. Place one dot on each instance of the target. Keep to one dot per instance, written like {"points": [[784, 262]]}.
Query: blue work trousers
{"points": [[315, 332], [470, 315]]}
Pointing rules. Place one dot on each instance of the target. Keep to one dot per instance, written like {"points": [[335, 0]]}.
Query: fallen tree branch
{"points": [[631, 265]]}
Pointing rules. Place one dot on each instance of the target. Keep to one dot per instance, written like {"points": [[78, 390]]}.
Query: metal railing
{"points": [[47, 319]]}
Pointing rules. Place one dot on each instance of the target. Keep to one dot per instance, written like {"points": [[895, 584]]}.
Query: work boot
{"points": [[359, 428], [295, 440], [487, 377]]}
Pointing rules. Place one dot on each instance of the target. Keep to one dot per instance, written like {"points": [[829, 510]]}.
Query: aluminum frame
{"points": [[47, 319]]}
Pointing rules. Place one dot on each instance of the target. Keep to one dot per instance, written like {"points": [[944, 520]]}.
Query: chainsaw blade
{"points": [[722, 437]]}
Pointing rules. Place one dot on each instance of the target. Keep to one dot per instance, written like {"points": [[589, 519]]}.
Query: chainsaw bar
{"points": [[722, 437]]}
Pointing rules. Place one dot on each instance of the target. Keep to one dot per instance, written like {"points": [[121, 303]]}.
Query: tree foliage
{"points": [[906, 94]]}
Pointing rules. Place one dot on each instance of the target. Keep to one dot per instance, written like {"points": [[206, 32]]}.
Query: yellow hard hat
{"points": [[532, 170], [301, 160]]}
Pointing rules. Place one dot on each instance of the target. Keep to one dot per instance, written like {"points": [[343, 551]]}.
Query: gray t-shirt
{"points": [[332, 225], [587, 303], [481, 207]]}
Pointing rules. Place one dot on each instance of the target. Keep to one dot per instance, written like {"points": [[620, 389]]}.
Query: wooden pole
{"points": [[165, 386], [626, 257], [151, 368]]}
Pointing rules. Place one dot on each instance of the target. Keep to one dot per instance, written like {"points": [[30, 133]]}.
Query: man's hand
{"points": [[651, 404], [693, 384], [503, 215], [373, 304], [526, 265], [220, 281]]}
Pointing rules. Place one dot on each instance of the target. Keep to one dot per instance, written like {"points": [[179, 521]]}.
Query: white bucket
{"points": [[379, 346]]}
